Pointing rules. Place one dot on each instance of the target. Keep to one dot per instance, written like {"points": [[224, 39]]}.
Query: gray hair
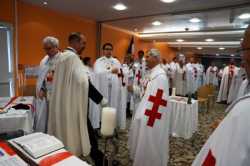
{"points": [[51, 40], [154, 52]]}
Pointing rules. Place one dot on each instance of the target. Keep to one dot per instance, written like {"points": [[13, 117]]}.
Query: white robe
{"points": [[41, 116], [94, 111], [235, 85], [69, 102], [229, 144], [124, 79], [191, 81], [140, 69], [108, 83], [148, 142], [225, 84], [173, 69], [200, 76], [211, 75], [181, 81], [243, 88]]}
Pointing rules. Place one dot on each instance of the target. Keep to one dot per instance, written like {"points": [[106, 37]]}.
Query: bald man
{"points": [[229, 144]]}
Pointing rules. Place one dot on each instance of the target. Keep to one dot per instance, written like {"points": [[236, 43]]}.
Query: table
{"points": [[184, 117], [61, 157], [15, 120]]}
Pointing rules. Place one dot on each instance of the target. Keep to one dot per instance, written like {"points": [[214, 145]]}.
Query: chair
{"points": [[202, 93], [211, 95]]}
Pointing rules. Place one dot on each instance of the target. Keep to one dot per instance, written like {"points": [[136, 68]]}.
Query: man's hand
{"points": [[130, 88], [41, 94], [115, 71], [104, 102]]}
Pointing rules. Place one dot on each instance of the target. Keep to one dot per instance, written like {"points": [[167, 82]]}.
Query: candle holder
{"points": [[109, 156]]}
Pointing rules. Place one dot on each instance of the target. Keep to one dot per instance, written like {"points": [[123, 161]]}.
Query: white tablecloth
{"points": [[15, 120], [184, 117]]}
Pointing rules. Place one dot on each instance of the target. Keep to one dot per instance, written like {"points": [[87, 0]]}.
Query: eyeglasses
{"points": [[108, 49]]}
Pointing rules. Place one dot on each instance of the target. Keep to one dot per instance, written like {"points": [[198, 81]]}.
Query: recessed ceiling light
{"points": [[168, 1], [221, 48], [199, 48], [195, 20], [232, 55], [156, 23], [180, 40], [209, 40], [45, 3], [120, 7], [244, 16]]}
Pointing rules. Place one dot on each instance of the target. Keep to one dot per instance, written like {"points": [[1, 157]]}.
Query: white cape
{"points": [[211, 75], [225, 84], [148, 142], [68, 106], [242, 89], [230, 143], [41, 115]]}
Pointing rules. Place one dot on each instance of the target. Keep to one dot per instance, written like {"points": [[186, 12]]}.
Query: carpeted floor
{"points": [[182, 152]]}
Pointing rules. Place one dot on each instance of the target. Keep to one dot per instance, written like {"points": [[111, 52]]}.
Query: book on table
{"points": [[39, 144]]}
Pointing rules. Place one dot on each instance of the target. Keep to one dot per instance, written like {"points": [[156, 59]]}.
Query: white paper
{"points": [[12, 161], [73, 160]]}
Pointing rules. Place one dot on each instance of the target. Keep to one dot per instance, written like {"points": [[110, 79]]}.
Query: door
{"points": [[6, 62]]}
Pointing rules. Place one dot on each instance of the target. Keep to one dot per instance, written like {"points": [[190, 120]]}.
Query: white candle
{"points": [[173, 91], [108, 121]]}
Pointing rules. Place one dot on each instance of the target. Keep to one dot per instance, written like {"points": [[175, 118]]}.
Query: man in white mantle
{"points": [[229, 74], [106, 69], [148, 137], [68, 118], [44, 82], [229, 144]]}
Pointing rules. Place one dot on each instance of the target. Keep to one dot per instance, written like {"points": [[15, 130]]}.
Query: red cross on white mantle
{"points": [[138, 76], [210, 159], [122, 76], [157, 101]]}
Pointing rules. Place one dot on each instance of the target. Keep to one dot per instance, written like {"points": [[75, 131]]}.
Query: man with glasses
{"points": [[44, 83], [229, 144], [106, 69]]}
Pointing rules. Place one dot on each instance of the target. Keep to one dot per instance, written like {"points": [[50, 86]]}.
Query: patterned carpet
{"points": [[182, 152]]}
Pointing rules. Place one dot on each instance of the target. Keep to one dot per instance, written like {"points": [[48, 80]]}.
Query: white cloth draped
{"points": [[184, 118], [68, 105]]}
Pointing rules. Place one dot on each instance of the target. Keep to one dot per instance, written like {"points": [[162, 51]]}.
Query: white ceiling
{"points": [[102, 9], [219, 20]]}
